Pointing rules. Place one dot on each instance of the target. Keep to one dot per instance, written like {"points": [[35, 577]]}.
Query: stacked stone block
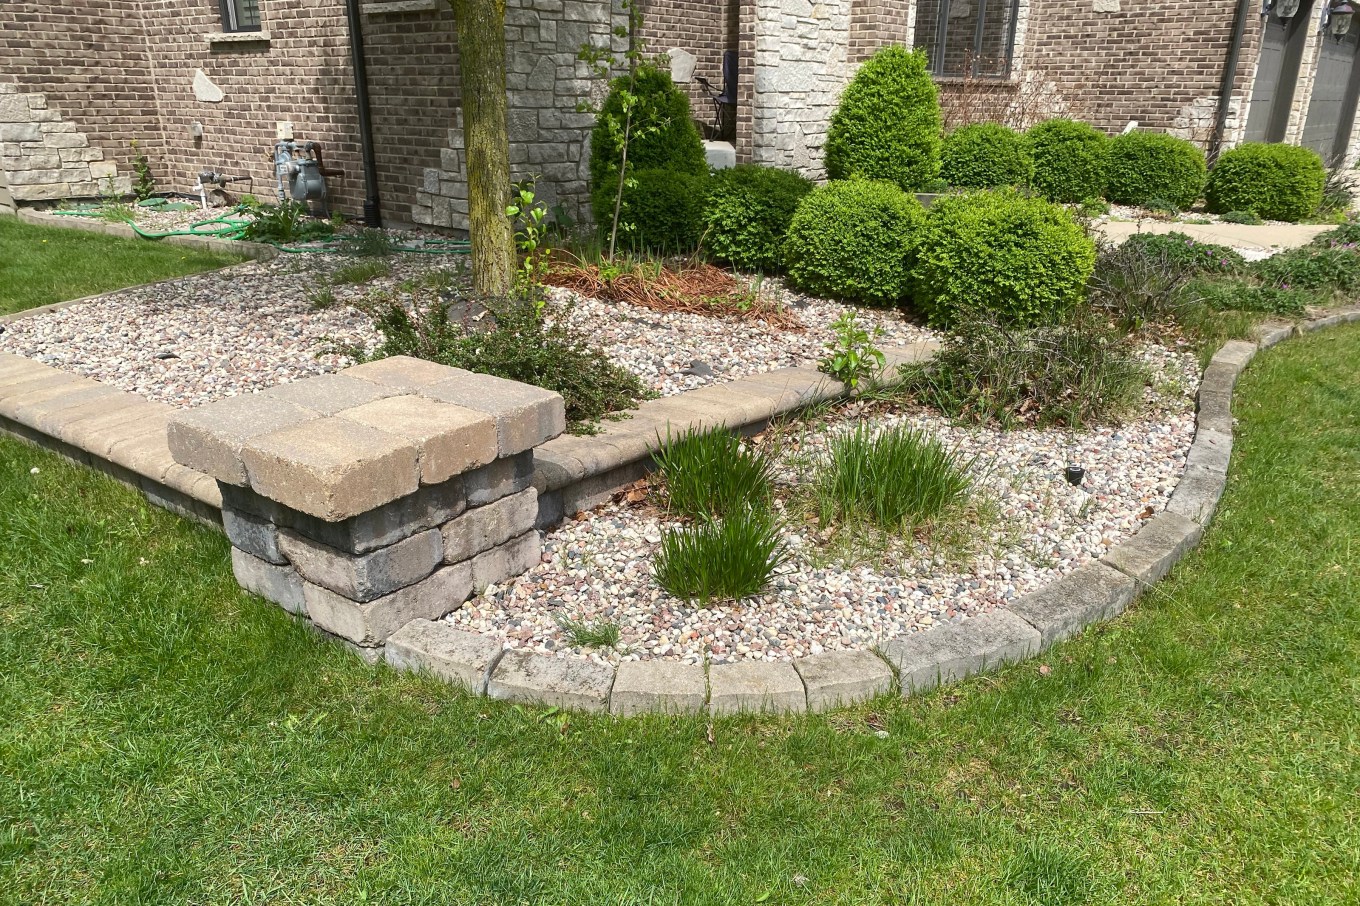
{"points": [[390, 492], [44, 157]]}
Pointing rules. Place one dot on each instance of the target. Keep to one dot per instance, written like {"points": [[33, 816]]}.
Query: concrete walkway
{"points": [[1237, 235]]}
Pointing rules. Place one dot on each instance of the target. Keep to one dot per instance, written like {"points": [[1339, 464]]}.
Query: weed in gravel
{"points": [[321, 297], [727, 560], [288, 221], [361, 271], [369, 243], [711, 475], [603, 634]]}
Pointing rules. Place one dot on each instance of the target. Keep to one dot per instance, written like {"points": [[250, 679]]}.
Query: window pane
{"points": [[244, 14], [972, 38]]}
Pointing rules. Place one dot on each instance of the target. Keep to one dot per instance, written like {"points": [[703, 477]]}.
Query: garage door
{"points": [[1331, 109]]}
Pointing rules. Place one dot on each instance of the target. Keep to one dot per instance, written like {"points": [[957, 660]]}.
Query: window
{"points": [[240, 15], [968, 38]]}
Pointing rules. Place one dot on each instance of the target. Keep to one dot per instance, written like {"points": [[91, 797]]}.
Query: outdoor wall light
{"points": [[1283, 9], [1337, 19]]}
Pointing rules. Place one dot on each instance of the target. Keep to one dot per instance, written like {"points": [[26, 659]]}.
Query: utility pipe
{"points": [[372, 212], [1229, 81]]}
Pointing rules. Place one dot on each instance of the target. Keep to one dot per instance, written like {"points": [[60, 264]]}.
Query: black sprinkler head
{"points": [[1074, 475]]}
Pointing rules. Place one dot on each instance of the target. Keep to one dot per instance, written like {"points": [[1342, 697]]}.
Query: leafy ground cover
{"points": [[40, 265], [169, 739]]}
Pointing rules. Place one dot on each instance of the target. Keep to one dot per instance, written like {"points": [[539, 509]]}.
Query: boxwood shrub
{"points": [[748, 215], [887, 125], [662, 210], [1007, 257], [986, 156], [1154, 166], [1069, 160], [1277, 182], [663, 134], [853, 239]]}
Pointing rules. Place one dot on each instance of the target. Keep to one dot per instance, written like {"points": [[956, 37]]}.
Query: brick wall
{"points": [[877, 23], [704, 28]]}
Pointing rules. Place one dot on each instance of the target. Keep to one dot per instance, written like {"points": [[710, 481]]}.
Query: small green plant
{"points": [[1187, 254], [361, 272], [1243, 217], [1139, 284], [112, 208], [727, 560], [531, 235], [1338, 192], [853, 239], [321, 297], [986, 156], [1244, 295], [1333, 268], [580, 634], [369, 243], [749, 211], [287, 221], [887, 124], [1272, 181], [852, 358], [708, 475], [144, 184], [895, 479], [1163, 206], [1070, 160], [1153, 166], [1014, 258], [1093, 207]]}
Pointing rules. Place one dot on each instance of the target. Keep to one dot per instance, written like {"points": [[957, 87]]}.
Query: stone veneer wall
{"points": [[44, 156]]}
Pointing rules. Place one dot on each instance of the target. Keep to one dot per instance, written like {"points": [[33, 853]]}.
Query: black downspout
{"points": [[1229, 82], [372, 213]]}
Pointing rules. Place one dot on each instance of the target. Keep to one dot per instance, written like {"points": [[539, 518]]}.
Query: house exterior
{"points": [[206, 84]]}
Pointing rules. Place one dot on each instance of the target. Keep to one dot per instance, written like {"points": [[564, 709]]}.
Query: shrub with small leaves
{"points": [[1188, 254], [986, 156], [727, 560], [1002, 255], [749, 211], [1244, 217], [662, 210], [853, 239], [887, 124], [1145, 166], [1273, 181], [1070, 159], [1335, 269]]}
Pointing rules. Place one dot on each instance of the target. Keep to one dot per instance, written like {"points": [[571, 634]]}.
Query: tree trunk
{"points": [[481, 56]]}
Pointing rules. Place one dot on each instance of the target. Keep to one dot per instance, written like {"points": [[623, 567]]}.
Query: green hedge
{"points": [[662, 210], [986, 156], [1277, 182], [749, 211], [1007, 257], [887, 125], [663, 136], [1070, 159], [853, 239], [1149, 167]]}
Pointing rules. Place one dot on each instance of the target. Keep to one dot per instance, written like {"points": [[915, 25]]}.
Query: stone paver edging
{"points": [[126, 436]]}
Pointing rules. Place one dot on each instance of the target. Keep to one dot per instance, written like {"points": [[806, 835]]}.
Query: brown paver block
{"points": [[99, 434], [210, 439], [526, 415], [542, 679], [834, 679], [463, 658], [402, 372], [59, 421], [371, 623], [450, 440], [368, 576], [484, 527], [332, 468], [771, 686], [146, 454], [668, 687], [327, 394]]}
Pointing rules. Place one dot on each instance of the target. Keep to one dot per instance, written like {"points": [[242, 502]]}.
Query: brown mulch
{"points": [[696, 289]]}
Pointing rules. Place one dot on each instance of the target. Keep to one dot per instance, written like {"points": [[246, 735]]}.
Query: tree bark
{"points": [[481, 56]]}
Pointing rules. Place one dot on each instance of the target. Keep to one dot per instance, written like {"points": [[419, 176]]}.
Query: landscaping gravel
{"points": [[198, 339], [1035, 529]]}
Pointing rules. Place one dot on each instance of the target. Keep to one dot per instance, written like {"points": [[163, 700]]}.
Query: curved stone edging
{"points": [[1096, 592]]}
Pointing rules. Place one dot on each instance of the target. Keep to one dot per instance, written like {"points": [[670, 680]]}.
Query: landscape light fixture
{"points": [[1337, 19], [1283, 9]]}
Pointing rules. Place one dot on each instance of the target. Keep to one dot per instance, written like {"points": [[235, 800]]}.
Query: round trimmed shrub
{"points": [[749, 211], [887, 125], [1008, 257], [986, 156], [1069, 160], [1154, 166], [662, 134], [662, 210], [1276, 182], [853, 239]]}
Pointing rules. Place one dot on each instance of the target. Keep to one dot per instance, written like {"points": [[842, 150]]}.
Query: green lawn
{"points": [[168, 739], [40, 265]]}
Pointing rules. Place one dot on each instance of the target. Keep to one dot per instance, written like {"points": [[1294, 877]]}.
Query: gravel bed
{"points": [[198, 339], [597, 567]]}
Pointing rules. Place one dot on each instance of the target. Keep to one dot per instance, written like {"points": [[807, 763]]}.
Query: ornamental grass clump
{"points": [[1149, 166], [1272, 181], [887, 124], [709, 475], [1014, 258], [896, 479], [1070, 160], [853, 240], [986, 156], [726, 560]]}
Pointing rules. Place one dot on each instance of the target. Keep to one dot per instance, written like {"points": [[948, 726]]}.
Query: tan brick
{"points": [[450, 440]]}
